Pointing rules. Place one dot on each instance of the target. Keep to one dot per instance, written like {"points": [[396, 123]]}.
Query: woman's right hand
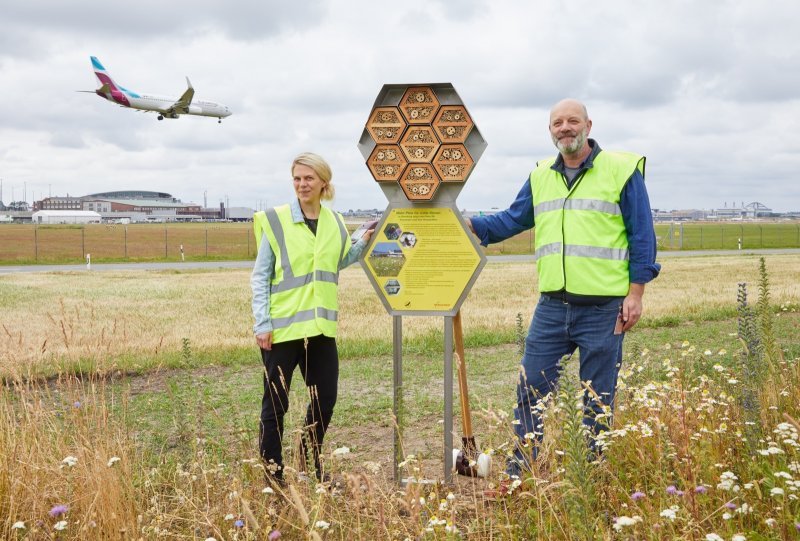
{"points": [[264, 341]]}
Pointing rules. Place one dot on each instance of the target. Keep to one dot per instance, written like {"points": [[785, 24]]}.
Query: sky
{"points": [[708, 91]]}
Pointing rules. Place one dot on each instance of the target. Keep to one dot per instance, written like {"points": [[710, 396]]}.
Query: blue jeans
{"points": [[558, 329]]}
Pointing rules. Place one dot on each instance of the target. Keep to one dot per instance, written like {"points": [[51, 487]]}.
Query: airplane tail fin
{"points": [[102, 75]]}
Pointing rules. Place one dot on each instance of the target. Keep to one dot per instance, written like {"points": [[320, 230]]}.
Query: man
{"points": [[595, 251]]}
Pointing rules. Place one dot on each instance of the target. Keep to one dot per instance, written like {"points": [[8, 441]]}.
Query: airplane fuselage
{"points": [[162, 104], [165, 106]]}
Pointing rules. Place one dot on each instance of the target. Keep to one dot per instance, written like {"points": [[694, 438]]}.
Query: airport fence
{"points": [[691, 236], [29, 243]]}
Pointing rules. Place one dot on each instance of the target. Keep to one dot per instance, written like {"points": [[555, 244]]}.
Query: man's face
{"points": [[569, 128]]}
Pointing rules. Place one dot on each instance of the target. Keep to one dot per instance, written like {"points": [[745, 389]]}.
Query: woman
{"points": [[301, 248]]}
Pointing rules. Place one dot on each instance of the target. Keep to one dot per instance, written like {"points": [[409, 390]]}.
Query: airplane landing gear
{"points": [[219, 121], [161, 117]]}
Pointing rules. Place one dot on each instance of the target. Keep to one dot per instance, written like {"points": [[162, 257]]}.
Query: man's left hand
{"points": [[632, 307]]}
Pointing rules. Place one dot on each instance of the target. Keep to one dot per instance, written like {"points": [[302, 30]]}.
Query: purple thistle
{"points": [[636, 496], [700, 489], [731, 505], [58, 510], [77, 404], [671, 490], [797, 526], [274, 535], [680, 493], [239, 523]]}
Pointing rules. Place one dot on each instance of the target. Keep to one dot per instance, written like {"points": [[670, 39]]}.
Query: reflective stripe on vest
{"points": [[304, 303], [581, 240]]}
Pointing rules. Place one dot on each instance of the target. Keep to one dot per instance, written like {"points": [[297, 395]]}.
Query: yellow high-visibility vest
{"points": [[581, 241], [303, 300]]}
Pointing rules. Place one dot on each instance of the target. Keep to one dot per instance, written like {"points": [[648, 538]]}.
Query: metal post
{"points": [[448, 399], [397, 405]]}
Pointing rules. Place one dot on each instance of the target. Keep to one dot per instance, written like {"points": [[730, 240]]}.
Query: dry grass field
{"points": [[705, 443], [108, 320]]}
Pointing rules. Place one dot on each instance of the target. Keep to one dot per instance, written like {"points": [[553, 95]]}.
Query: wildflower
{"points": [[771, 522], [211, 539], [700, 489], [239, 523], [669, 514], [451, 496], [341, 451], [113, 460], [77, 404], [636, 496], [738, 537], [713, 537], [777, 491], [320, 489], [267, 490], [274, 535], [58, 510], [797, 526], [671, 490], [60, 525], [230, 516], [19, 525], [726, 516], [69, 461], [624, 521], [322, 525]]}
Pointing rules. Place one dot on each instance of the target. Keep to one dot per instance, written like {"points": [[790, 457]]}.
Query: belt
{"points": [[578, 300]]}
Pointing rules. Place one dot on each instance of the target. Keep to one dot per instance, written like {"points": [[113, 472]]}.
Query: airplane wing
{"points": [[182, 105]]}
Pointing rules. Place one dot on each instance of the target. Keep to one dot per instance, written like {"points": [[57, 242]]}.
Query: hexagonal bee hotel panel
{"points": [[419, 105], [419, 182], [386, 125], [420, 136], [452, 124], [386, 163], [419, 144], [453, 163]]}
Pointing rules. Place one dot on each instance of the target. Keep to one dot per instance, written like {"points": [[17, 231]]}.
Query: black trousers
{"points": [[318, 360]]}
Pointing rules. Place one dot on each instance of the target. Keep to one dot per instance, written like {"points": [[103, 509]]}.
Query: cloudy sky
{"points": [[708, 91]]}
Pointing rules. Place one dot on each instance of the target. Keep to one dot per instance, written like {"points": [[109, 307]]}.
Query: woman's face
{"points": [[307, 185]]}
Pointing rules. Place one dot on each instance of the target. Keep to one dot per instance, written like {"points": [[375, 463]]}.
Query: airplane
{"points": [[166, 107]]}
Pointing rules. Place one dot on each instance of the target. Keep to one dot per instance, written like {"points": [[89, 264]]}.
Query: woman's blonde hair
{"points": [[321, 168]]}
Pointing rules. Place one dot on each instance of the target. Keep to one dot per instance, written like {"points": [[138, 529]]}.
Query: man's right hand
{"points": [[469, 224], [264, 341]]}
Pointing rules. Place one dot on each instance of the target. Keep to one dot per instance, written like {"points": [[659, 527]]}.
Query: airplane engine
{"points": [[195, 110]]}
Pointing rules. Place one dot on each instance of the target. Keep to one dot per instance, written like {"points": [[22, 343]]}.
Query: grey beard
{"points": [[576, 145]]}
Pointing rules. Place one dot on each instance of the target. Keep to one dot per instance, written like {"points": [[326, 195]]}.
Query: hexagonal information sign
{"points": [[422, 261]]}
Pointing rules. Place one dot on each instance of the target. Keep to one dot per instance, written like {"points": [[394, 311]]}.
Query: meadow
{"points": [[26, 243], [130, 405]]}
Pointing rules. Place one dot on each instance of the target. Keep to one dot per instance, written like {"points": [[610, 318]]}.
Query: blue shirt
{"points": [[264, 270], [634, 204]]}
